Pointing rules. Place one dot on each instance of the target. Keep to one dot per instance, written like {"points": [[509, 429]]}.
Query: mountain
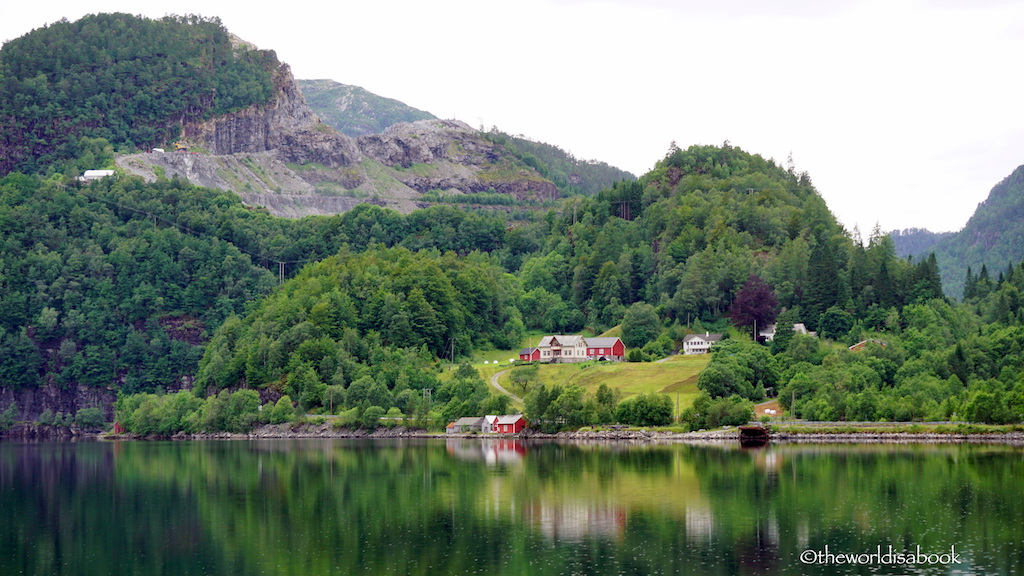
{"points": [[73, 88], [916, 241], [132, 81], [149, 284], [355, 111], [584, 177], [993, 238], [309, 169]]}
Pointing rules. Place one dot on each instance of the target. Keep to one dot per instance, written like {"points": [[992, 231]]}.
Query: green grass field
{"points": [[676, 376]]}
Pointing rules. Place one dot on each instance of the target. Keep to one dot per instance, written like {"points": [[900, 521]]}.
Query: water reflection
{"points": [[500, 506], [491, 451]]}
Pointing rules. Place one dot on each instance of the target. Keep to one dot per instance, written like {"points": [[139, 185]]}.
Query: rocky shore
{"points": [[326, 430], [630, 436]]}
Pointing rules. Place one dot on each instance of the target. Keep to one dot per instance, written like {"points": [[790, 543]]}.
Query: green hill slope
{"points": [[993, 238], [129, 80], [355, 111], [570, 174]]}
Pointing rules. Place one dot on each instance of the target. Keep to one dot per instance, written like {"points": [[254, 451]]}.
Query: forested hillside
{"points": [[119, 284], [914, 241], [123, 286], [355, 111], [689, 235], [129, 80], [992, 238], [571, 175]]}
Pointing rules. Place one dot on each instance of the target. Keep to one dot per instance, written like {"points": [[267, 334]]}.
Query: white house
{"points": [[699, 343], [90, 175], [560, 348], [768, 334]]}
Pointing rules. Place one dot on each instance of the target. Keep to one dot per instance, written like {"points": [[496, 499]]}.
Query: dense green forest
{"points": [[930, 360], [154, 287], [991, 238], [127, 79], [123, 282], [570, 174]]}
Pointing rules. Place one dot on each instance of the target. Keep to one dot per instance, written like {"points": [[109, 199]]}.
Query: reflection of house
{"points": [[492, 451], [576, 348], [768, 334], [577, 520], [699, 343]]}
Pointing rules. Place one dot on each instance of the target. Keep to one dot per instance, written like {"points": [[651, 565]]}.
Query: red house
{"points": [[529, 354], [606, 349], [509, 424]]}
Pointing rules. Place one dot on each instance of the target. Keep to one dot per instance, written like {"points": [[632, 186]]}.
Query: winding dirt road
{"points": [[494, 382]]}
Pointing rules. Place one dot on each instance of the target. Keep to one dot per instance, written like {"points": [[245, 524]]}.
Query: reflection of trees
{"points": [[342, 507], [854, 498]]}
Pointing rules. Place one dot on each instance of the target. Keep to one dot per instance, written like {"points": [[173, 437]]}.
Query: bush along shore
{"points": [[782, 434]]}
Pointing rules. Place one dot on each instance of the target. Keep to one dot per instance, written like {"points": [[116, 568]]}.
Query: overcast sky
{"points": [[904, 113]]}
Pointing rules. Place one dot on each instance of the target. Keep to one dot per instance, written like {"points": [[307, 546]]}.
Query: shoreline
{"points": [[731, 435]]}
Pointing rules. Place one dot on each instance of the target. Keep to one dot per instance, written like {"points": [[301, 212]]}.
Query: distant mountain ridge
{"points": [[993, 237], [243, 118], [915, 241], [355, 111]]}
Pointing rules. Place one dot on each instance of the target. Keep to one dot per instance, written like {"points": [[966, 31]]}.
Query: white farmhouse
{"points": [[560, 348], [699, 343]]}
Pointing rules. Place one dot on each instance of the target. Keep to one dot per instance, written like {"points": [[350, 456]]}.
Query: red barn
{"points": [[509, 424], [606, 349], [529, 354]]}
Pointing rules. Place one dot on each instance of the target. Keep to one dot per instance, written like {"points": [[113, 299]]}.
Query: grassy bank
{"points": [[954, 428]]}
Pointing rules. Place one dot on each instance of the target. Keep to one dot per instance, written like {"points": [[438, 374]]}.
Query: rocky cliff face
{"points": [[454, 158], [287, 125], [281, 156]]}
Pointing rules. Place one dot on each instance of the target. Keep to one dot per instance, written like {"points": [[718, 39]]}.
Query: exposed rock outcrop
{"points": [[286, 125], [455, 158], [281, 156], [32, 402]]}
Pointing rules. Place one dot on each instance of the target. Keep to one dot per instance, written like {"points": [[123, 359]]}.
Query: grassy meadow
{"points": [[675, 375]]}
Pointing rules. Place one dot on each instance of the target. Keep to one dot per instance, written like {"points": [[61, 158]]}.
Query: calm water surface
{"points": [[319, 507]]}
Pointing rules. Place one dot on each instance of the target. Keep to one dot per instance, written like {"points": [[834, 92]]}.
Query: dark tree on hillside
{"points": [[822, 282], [755, 304], [640, 325]]}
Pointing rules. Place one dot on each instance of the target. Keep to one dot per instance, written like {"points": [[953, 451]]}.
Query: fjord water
{"points": [[497, 507]]}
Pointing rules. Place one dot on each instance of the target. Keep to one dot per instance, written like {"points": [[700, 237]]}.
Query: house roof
{"points": [[707, 337], [471, 421], [509, 419], [562, 340], [602, 342], [527, 351]]}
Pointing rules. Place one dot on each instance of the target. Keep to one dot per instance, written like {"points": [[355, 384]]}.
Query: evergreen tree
{"points": [[822, 283]]}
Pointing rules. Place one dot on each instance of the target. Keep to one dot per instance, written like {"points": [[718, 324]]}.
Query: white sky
{"points": [[905, 113]]}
